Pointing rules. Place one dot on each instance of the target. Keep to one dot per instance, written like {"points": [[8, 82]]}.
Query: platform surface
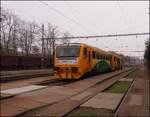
{"points": [[104, 100], [22, 89]]}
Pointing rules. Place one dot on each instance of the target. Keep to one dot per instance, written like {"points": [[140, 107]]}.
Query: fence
{"points": [[11, 62]]}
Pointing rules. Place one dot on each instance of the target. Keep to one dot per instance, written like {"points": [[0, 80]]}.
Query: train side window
{"points": [[104, 57], [118, 60], [85, 52], [93, 54], [100, 56], [107, 58], [97, 55], [89, 56], [110, 57]]}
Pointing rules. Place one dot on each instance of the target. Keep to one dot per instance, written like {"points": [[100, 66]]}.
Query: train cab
{"points": [[70, 60]]}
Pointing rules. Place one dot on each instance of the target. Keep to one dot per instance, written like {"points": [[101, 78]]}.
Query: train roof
{"points": [[115, 54], [83, 44], [95, 48]]}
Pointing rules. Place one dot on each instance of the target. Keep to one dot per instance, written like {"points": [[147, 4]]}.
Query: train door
{"points": [[113, 62], [89, 58], [85, 59]]}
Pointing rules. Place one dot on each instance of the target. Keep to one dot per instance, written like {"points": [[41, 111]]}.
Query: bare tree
{"points": [[65, 35], [6, 27], [27, 32], [17, 34], [9, 25], [3, 20], [35, 50], [147, 53], [51, 33]]}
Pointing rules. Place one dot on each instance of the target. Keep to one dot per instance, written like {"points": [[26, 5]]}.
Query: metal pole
{"points": [[42, 59]]}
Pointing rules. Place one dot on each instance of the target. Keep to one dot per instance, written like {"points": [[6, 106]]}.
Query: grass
{"points": [[39, 111], [79, 113], [135, 73], [119, 87], [89, 112]]}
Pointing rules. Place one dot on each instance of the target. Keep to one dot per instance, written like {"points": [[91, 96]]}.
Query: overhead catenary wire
{"points": [[101, 36], [65, 16], [130, 51], [28, 13], [124, 16], [83, 15]]}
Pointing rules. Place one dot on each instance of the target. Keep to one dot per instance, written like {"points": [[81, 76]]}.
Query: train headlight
{"points": [[56, 68]]}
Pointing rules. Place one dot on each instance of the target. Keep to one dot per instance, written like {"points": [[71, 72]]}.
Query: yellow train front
{"points": [[75, 60]]}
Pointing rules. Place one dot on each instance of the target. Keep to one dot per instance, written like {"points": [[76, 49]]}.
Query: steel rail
{"points": [[123, 98], [106, 82], [123, 74], [8, 78], [105, 78]]}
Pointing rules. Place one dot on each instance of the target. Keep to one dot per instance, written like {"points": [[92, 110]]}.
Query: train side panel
{"points": [[90, 60]]}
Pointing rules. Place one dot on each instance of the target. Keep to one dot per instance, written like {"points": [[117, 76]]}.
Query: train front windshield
{"points": [[67, 51]]}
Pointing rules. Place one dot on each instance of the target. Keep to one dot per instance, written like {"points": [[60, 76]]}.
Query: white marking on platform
{"points": [[126, 79], [80, 96], [135, 100], [22, 89], [104, 100]]}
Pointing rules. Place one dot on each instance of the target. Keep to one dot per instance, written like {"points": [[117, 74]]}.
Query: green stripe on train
{"points": [[101, 67]]}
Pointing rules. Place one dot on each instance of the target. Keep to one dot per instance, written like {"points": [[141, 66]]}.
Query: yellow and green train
{"points": [[76, 60]]}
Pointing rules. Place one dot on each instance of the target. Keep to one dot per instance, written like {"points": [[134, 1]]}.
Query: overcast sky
{"points": [[92, 18]]}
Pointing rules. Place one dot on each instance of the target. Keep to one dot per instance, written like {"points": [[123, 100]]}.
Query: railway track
{"points": [[49, 82], [123, 99], [72, 102], [96, 89], [55, 82], [24, 75]]}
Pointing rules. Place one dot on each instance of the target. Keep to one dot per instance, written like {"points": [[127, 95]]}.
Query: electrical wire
{"points": [[65, 16], [79, 13], [124, 16], [101, 36]]}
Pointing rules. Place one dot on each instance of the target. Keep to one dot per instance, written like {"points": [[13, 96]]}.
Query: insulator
{"points": [[136, 36]]}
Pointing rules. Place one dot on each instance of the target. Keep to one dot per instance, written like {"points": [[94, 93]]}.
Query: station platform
{"points": [[23, 74]]}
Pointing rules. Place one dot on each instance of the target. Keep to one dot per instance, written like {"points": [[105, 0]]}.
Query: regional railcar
{"points": [[75, 60]]}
